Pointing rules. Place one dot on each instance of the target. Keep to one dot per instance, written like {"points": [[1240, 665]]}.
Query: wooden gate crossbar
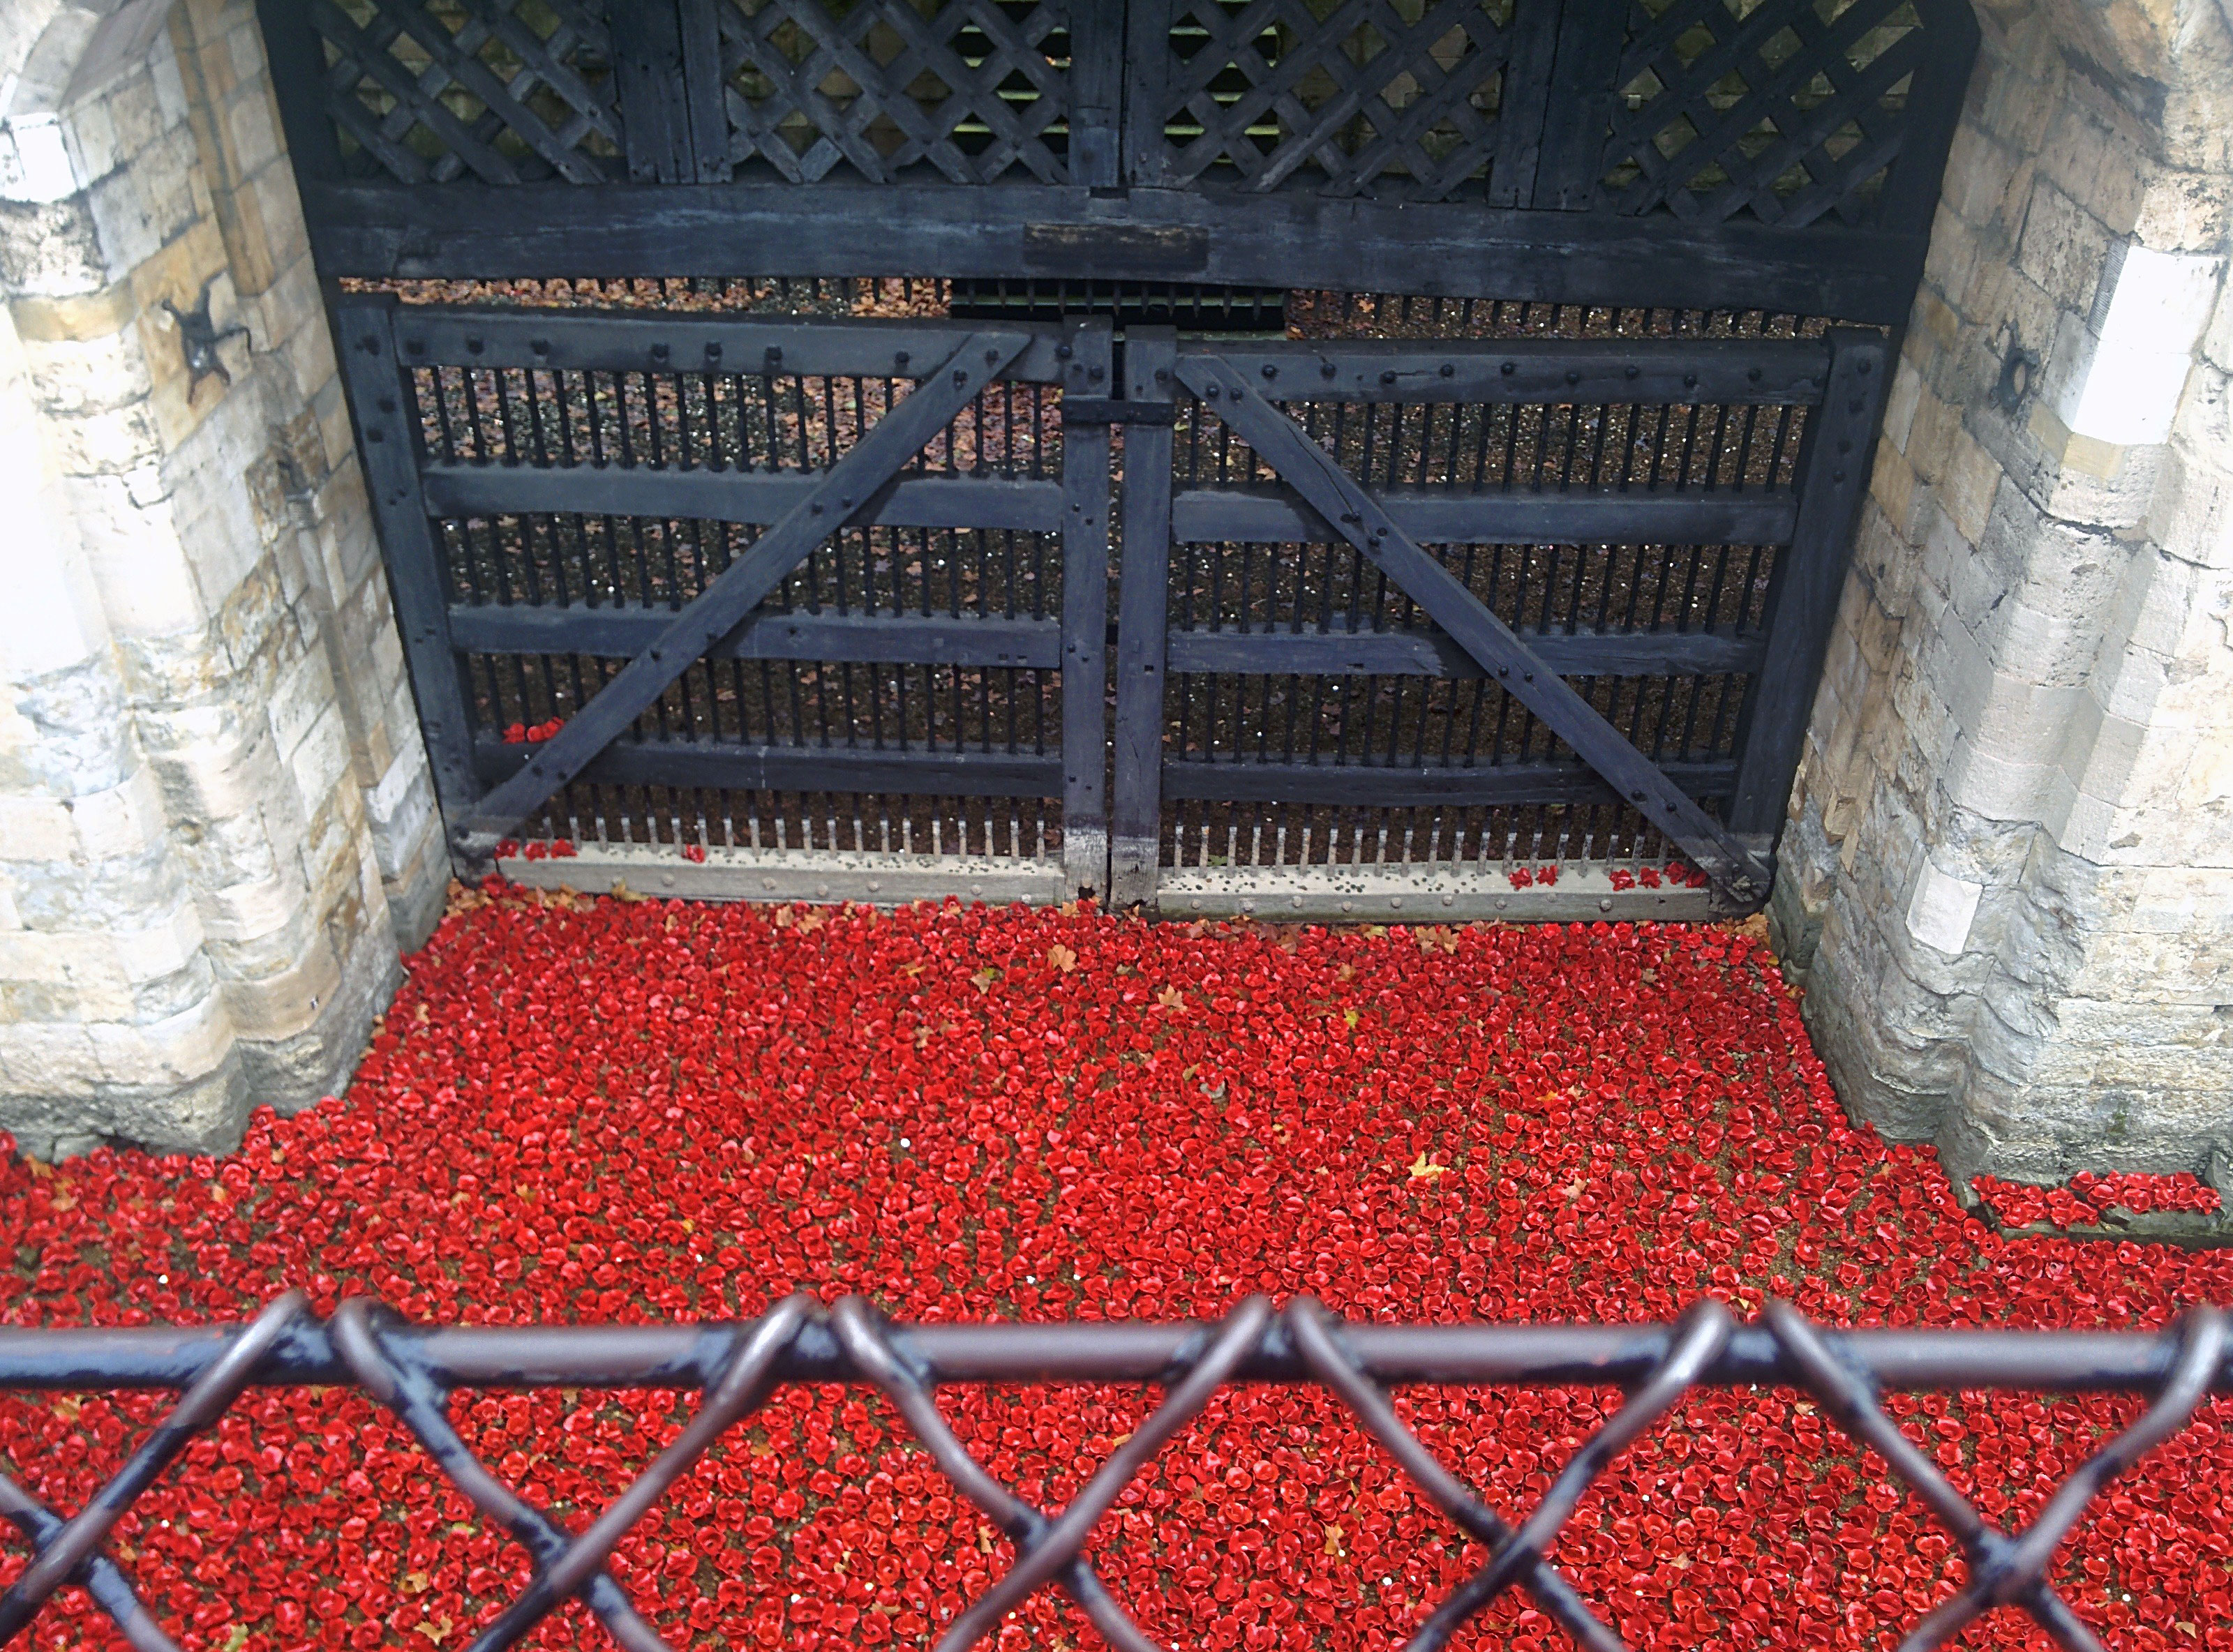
{"points": [[1357, 514], [835, 500]]}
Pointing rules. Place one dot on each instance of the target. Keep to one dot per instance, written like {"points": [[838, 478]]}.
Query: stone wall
{"points": [[2009, 874], [216, 820]]}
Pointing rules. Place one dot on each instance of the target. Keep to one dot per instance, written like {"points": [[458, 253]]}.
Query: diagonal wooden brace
{"points": [[845, 489], [1737, 872]]}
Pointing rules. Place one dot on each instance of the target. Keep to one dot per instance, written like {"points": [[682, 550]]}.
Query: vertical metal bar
{"points": [[387, 445], [1136, 814], [1804, 588]]}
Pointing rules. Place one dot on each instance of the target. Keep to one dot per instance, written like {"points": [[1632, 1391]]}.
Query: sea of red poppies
{"points": [[623, 1108]]}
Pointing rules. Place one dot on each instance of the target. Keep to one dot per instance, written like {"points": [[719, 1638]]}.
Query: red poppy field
{"points": [[585, 1109]]}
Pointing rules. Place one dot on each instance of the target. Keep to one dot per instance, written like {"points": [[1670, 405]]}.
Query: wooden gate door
{"points": [[726, 606], [1453, 627]]}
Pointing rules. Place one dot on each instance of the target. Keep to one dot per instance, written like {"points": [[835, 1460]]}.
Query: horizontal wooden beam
{"points": [[1287, 240], [1587, 372], [732, 496], [1372, 785], [891, 638], [1340, 651], [626, 341], [1438, 516], [691, 764]]}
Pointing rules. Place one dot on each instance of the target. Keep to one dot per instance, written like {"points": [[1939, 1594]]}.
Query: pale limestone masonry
{"points": [[2010, 860], [216, 820]]}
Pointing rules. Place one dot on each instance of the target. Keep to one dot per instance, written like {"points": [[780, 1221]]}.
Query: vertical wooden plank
{"points": [[1578, 115], [1532, 49], [1085, 620], [1148, 64], [1934, 111], [1136, 809], [1096, 89], [299, 80], [704, 90], [1810, 576], [649, 72], [386, 446]]}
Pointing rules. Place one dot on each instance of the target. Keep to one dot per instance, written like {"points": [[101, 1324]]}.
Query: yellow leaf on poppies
{"points": [[1423, 1171], [984, 978], [1171, 999], [1333, 1541], [1062, 958]]}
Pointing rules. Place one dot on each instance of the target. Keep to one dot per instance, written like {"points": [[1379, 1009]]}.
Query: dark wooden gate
{"points": [[1477, 601], [808, 608], [1442, 627]]}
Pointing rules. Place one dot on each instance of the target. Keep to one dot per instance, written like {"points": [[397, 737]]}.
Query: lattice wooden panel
{"points": [[1378, 97], [1786, 110], [972, 89], [503, 91]]}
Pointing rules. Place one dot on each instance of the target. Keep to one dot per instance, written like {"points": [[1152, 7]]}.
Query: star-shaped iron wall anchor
{"points": [[198, 336]]}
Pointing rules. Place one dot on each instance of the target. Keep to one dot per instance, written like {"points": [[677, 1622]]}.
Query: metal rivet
{"points": [[1270, 371], [1326, 369], [1396, 901], [473, 346], [822, 888], [1501, 903], [1388, 376], [1509, 368], [1573, 375], [1633, 371], [1450, 370], [1449, 900], [1062, 353], [659, 351], [1689, 381], [1605, 903], [900, 358], [767, 883], [1349, 905], [1752, 375], [1097, 374], [960, 375], [1295, 901], [992, 358], [667, 878], [1195, 903], [712, 352], [875, 884]]}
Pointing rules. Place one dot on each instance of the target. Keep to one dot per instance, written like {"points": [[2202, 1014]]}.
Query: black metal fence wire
{"points": [[412, 1370]]}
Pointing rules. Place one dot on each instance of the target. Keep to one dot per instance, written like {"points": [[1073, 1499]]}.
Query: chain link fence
{"points": [[413, 1371]]}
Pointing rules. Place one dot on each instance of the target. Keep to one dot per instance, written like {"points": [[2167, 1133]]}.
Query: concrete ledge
{"points": [[832, 875], [1417, 894]]}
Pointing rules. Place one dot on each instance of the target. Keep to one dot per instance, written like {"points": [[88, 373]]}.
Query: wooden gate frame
{"points": [[951, 362], [1842, 377]]}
